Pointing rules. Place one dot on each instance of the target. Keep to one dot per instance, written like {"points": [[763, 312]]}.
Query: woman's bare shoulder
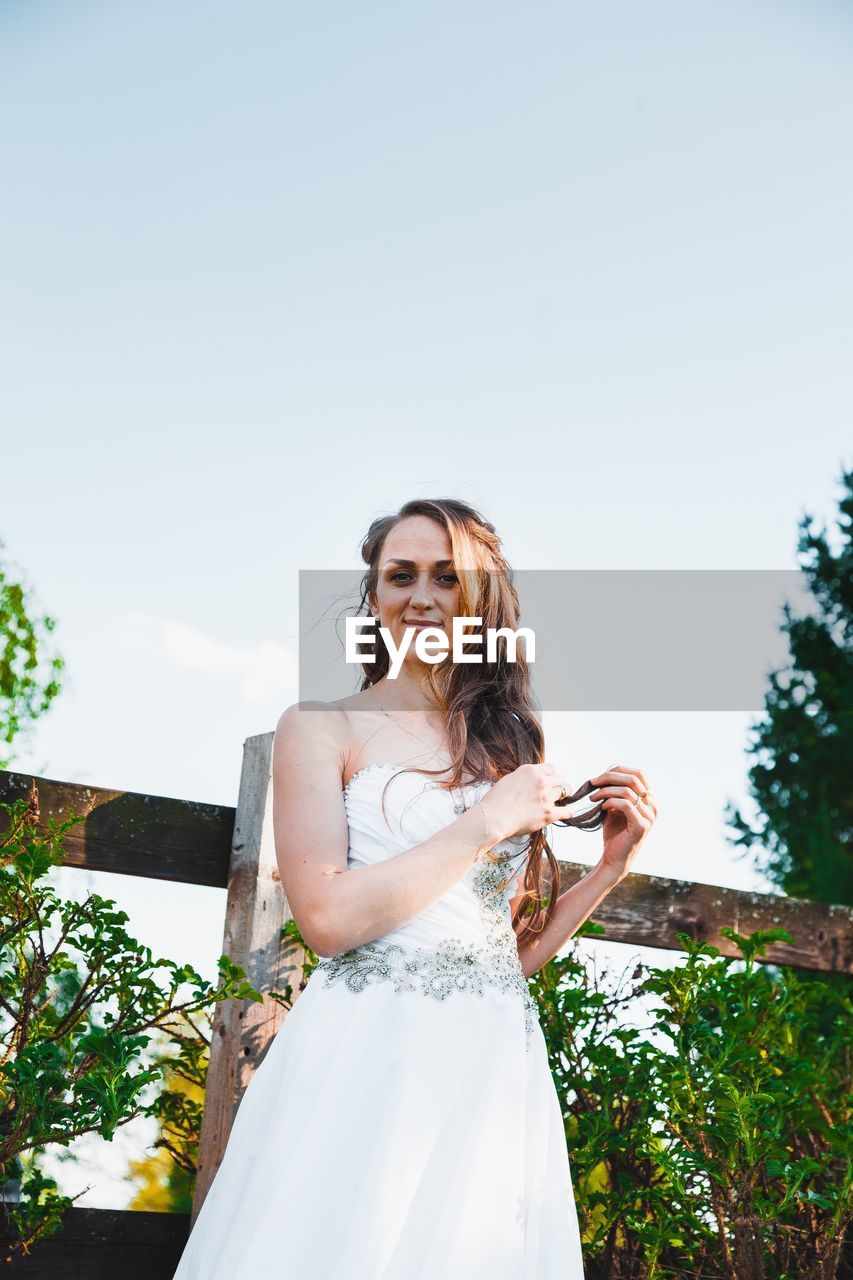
{"points": [[332, 715], [327, 727]]}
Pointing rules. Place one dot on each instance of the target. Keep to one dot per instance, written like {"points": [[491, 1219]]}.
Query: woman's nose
{"points": [[421, 594]]}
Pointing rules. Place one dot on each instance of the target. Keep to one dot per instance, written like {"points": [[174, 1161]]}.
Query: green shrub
{"points": [[80, 1003], [713, 1141]]}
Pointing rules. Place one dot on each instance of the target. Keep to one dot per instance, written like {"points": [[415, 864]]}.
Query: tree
{"points": [[800, 776], [28, 672]]}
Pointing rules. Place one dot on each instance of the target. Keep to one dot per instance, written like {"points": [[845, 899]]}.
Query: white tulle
{"points": [[403, 1125]]}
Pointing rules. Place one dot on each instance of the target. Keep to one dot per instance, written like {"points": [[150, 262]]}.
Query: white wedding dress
{"points": [[404, 1123]]}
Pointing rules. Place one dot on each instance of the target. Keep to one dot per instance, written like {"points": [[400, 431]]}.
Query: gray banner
{"points": [[605, 640]]}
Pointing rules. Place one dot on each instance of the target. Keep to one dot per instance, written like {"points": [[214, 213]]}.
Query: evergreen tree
{"points": [[801, 753]]}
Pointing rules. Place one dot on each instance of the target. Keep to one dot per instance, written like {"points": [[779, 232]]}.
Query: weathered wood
{"points": [[133, 833], [651, 910], [254, 918], [103, 1244], [190, 842]]}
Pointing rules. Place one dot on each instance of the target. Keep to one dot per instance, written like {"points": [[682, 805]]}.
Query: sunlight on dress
{"points": [[404, 1123]]}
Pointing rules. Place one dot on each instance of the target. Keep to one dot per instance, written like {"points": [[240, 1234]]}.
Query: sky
{"points": [[271, 271]]}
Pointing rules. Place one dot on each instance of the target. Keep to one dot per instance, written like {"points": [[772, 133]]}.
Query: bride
{"points": [[404, 1123]]}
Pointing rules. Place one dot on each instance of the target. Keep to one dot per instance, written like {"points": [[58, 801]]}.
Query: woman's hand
{"points": [[631, 811], [522, 802]]}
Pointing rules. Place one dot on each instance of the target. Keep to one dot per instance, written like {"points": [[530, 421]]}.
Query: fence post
{"points": [[255, 913]]}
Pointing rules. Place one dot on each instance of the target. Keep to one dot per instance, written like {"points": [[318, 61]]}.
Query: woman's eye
{"points": [[395, 577]]}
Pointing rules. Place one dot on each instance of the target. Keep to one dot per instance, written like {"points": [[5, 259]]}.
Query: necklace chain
{"points": [[390, 717], [459, 806]]}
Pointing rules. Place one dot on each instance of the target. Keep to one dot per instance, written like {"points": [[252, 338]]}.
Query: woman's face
{"points": [[416, 582]]}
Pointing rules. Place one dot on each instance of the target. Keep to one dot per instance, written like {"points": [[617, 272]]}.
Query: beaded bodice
{"points": [[463, 941]]}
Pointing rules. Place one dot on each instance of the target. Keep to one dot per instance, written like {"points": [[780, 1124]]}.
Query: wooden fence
{"points": [[181, 840]]}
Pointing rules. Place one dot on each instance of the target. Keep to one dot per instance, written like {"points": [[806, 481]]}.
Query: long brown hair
{"points": [[491, 721]]}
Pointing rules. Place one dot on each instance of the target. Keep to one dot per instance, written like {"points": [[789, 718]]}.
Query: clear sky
{"points": [[270, 270]]}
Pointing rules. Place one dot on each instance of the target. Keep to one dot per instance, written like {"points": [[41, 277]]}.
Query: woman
{"points": [[404, 1123]]}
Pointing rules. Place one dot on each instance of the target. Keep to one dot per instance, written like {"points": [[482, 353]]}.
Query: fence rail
{"points": [[162, 838], [184, 841]]}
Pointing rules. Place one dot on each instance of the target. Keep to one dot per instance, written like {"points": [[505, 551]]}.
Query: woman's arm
{"points": [[631, 811], [572, 907], [337, 907]]}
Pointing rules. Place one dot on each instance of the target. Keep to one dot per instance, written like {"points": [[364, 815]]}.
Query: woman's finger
{"points": [[639, 809], [621, 783], [619, 772]]}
